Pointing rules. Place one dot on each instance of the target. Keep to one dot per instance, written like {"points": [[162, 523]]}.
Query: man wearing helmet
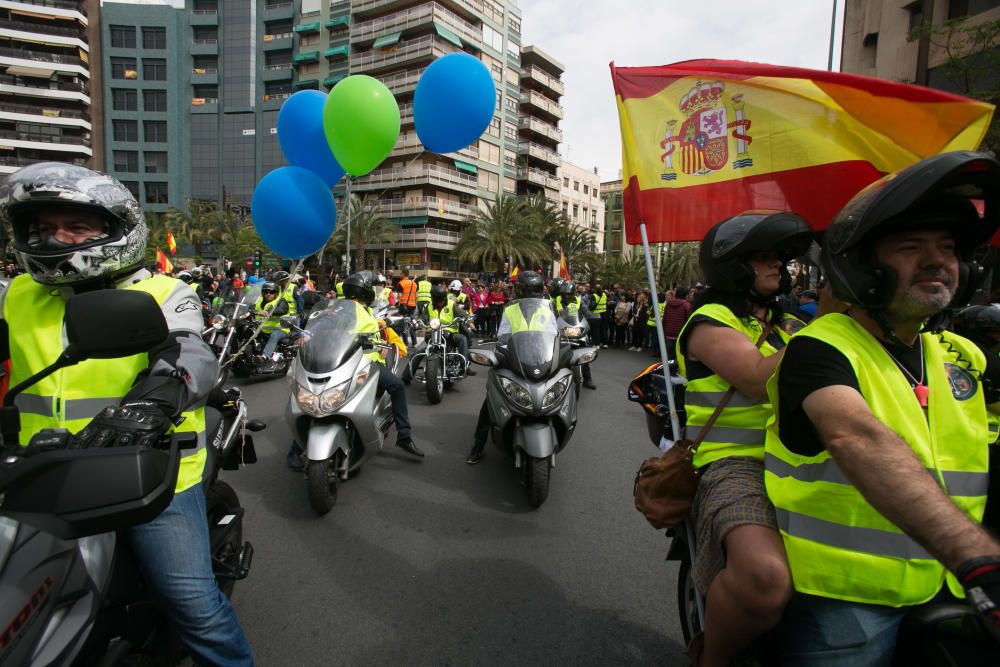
{"points": [[515, 318], [359, 288], [77, 230], [445, 310], [569, 302], [271, 306], [456, 295], [877, 460], [289, 292], [733, 339]]}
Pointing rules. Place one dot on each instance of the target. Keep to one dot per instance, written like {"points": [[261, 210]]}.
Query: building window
{"points": [[154, 69], [156, 193], [123, 99], [576, 185], [593, 218], [959, 8], [124, 68], [123, 36], [509, 158], [156, 162], [155, 131], [510, 131], [916, 10], [154, 38], [309, 40], [576, 211], [514, 23], [566, 182], [492, 38], [127, 161], [133, 187], [154, 100], [586, 190], [511, 104], [494, 128], [125, 130], [870, 49]]}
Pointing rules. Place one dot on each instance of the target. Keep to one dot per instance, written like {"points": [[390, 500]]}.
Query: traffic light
{"points": [[257, 257]]}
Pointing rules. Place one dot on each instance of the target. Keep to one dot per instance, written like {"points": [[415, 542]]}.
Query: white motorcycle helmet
{"points": [[117, 250], [455, 286]]}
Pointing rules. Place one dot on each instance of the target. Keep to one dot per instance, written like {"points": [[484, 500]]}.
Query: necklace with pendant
{"points": [[920, 390]]}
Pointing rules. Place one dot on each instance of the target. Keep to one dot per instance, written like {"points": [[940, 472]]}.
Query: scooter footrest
{"points": [[236, 566]]}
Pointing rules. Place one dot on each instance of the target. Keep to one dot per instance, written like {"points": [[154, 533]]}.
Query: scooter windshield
{"points": [[331, 337], [245, 304]]}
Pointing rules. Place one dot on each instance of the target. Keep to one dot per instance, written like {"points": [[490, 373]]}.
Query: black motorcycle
{"points": [[69, 584], [440, 365]]}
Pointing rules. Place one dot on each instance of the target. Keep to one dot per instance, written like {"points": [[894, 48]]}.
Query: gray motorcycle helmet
{"points": [[117, 251]]}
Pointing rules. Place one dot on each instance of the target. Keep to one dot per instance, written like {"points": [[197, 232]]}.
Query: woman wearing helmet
{"points": [[739, 562], [871, 400], [78, 230]]}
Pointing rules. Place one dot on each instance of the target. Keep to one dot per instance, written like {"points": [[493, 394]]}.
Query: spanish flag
{"points": [[563, 266], [517, 270], [703, 140], [171, 243], [163, 263]]}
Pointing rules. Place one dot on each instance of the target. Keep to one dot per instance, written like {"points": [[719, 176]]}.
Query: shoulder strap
{"points": [[725, 399]]}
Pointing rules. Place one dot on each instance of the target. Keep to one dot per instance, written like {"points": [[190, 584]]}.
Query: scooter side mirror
{"points": [[139, 325], [583, 356], [483, 358]]}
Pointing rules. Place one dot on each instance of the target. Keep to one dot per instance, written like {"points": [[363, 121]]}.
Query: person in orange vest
{"points": [[408, 301]]}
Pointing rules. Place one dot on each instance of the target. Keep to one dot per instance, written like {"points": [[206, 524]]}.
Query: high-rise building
{"points": [[323, 46], [580, 199], [537, 131], [46, 95], [192, 92]]}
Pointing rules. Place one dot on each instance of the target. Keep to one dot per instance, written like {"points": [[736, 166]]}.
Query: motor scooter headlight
{"points": [[435, 323], [572, 332], [307, 400], [555, 393], [322, 404], [219, 322], [515, 392]]}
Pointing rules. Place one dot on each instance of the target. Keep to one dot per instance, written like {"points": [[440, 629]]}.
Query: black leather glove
{"points": [[981, 579], [136, 423]]}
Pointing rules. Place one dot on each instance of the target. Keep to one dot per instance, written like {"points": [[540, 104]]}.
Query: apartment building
{"points": [[614, 221], [581, 201], [323, 45], [47, 110], [538, 133], [876, 37], [192, 92]]}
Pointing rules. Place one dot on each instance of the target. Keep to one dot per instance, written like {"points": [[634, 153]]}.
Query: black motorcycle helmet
{"points": [[185, 277], [728, 245], [439, 295], [980, 324], [555, 285], [943, 191], [360, 286], [269, 288], [529, 285], [280, 277], [568, 289]]}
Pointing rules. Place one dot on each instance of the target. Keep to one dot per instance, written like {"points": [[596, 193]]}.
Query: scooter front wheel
{"points": [[434, 377], [538, 472], [323, 483]]}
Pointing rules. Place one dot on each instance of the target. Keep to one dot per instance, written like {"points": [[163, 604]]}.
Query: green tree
{"points": [[367, 227], [679, 264], [629, 272], [579, 246], [502, 232], [158, 230], [195, 224]]}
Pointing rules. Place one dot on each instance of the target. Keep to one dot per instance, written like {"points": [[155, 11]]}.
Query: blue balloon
{"points": [[302, 139], [453, 103], [293, 211]]}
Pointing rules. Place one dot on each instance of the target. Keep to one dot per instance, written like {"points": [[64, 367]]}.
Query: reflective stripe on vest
{"points": [[739, 430], [651, 321], [600, 303], [838, 545], [288, 294], [72, 396], [446, 315], [424, 291]]}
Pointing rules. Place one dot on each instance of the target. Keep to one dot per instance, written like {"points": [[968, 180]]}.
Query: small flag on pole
{"points": [[163, 263], [171, 243], [517, 270], [563, 266]]}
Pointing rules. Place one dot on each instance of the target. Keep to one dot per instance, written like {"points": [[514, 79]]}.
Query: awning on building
{"points": [[410, 221], [465, 166], [22, 70], [307, 57], [387, 40], [336, 51], [341, 21], [448, 35], [306, 83], [307, 27], [332, 81]]}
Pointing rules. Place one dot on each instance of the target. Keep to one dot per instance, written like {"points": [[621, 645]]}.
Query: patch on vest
{"points": [[963, 385], [792, 325]]}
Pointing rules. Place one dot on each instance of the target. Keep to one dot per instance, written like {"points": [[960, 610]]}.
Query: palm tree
{"points": [[679, 264], [368, 227], [630, 272], [502, 232], [579, 246], [195, 224]]}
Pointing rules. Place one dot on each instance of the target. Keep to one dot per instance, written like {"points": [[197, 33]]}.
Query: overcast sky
{"points": [[585, 35]]}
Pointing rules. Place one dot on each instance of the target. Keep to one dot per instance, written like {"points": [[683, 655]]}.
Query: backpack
{"points": [[621, 312]]}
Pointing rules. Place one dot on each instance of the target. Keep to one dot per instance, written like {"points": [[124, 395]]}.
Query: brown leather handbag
{"points": [[665, 485]]}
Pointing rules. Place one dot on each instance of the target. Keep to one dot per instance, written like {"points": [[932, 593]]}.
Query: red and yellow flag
{"points": [[171, 243], [517, 270], [703, 140], [563, 267], [163, 263]]}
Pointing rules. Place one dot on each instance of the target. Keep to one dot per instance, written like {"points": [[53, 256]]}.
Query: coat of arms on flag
{"points": [[704, 136]]}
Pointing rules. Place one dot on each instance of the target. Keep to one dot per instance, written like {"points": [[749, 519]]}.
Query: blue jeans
{"points": [[173, 553], [822, 632], [276, 337]]}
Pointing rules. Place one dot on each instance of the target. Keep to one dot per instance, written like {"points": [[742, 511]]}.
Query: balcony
{"points": [[278, 41], [284, 9], [305, 57], [331, 81], [306, 84], [425, 206], [538, 177], [49, 29], [204, 17], [273, 101], [418, 175], [474, 7], [204, 101], [36, 113], [540, 128], [419, 237], [538, 152], [307, 28], [205, 46], [412, 51], [336, 52], [204, 75], [46, 88], [540, 77], [542, 103], [339, 23], [401, 82], [43, 57], [48, 142], [422, 15], [277, 72], [406, 114]]}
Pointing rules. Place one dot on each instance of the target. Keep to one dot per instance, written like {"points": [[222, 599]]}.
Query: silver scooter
{"points": [[528, 393], [334, 409]]}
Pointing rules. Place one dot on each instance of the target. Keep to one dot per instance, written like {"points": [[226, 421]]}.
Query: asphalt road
{"points": [[435, 562]]}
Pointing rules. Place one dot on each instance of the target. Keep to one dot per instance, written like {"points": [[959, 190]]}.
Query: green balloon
{"points": [[361, 123]]}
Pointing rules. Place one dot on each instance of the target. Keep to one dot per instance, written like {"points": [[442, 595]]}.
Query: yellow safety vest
{"points": [[739, 429], [340, 290], [838, 545], [600, 303], [271, 323], [424, 291], [651, 321], [288, 294], [367, 325], [461, 298], [539, 320], [446, 315], [572, 306], [72, 396], [382, 294]]}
